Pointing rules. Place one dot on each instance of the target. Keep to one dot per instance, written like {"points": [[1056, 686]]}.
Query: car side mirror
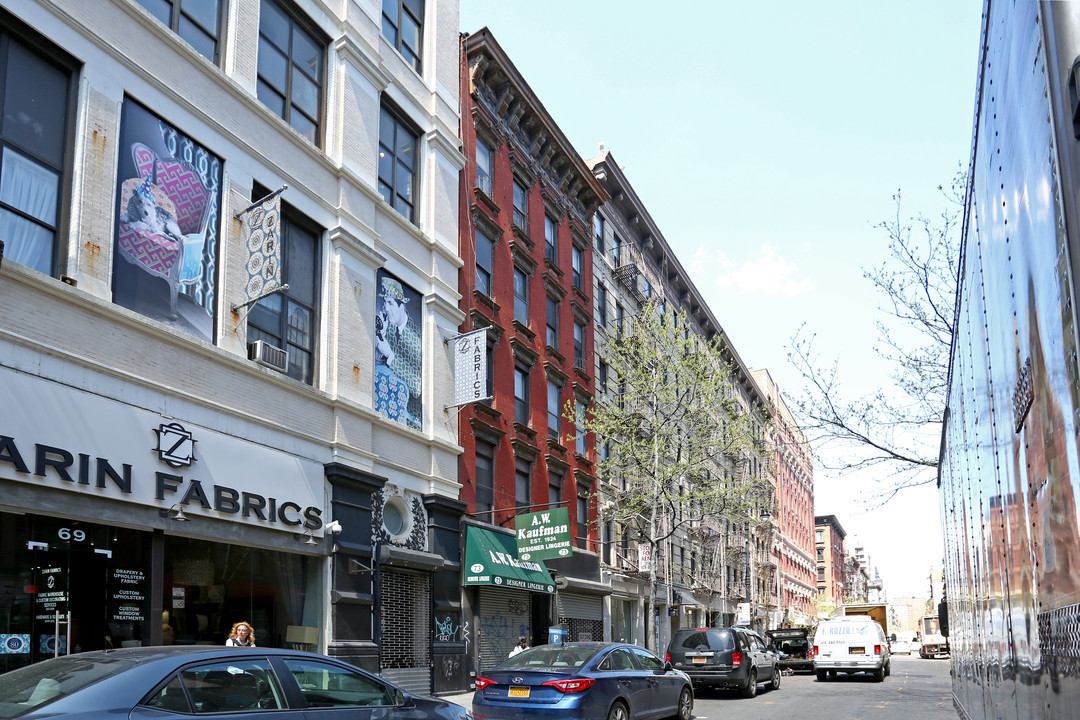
{"points": [[400, 699], [667, 667]]}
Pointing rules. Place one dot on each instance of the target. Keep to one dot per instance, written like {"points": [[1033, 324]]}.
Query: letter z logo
{"points": [[175, 447]]}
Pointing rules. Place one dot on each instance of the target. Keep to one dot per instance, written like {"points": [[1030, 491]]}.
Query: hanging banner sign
{"points": [[261, 236], [644, 558], [470, 367], [544, 534]]}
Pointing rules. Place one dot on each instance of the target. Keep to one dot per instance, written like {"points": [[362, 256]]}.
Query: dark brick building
{"points": [[527, 202]]}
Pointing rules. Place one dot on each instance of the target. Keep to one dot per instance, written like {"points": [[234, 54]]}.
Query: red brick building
{"points": [[793, 544], [829, 544], [526, 207]]}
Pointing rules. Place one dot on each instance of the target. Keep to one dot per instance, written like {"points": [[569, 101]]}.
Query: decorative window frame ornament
{"points": [[413, 534]]}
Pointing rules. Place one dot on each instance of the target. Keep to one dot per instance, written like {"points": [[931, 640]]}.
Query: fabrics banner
{"points": [[470, 368], [262, 238]]}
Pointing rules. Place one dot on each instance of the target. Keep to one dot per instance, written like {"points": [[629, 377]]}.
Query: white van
{"points": [[851, 644], [904, 641]]}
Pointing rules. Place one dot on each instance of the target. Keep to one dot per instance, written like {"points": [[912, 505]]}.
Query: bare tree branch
{"points": [[895, 427]]}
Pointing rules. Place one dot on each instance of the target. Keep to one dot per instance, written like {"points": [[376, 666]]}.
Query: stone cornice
{"points": [[364, 59]]}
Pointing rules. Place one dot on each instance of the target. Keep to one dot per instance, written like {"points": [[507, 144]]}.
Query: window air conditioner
{"points": [[269, 355]]}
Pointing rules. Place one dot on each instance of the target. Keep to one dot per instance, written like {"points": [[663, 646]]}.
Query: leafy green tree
{"points": [[898, 425], [686, 451]]}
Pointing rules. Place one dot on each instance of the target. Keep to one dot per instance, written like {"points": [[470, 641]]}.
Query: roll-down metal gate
{"points": [[583, 615], [505, 615], [405, 652]]}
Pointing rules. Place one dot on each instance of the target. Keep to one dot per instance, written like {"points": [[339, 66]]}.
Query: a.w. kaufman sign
{"points": [[491, 559], [544, 534]]}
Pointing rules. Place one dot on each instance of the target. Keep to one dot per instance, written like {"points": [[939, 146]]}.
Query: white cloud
{"points": [[766, 274]]}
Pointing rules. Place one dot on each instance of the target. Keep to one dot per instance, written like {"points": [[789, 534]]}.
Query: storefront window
{"points": [[101, 575], [622, 620], [210, 586]]}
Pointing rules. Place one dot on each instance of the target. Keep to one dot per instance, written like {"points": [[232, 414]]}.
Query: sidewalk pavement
{"points": [[464, 699]]}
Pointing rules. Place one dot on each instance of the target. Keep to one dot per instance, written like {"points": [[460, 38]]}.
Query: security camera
{"points": [[333, 527]]}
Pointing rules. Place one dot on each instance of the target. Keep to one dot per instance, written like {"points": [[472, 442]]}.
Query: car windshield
{"points": [[713, 640], [31, 687], [550, 656]]}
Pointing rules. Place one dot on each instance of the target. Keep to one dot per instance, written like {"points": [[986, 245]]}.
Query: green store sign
{"points": [[544, 534]]}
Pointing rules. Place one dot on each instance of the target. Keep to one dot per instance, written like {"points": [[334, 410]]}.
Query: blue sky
{"points": [[766, 140]]}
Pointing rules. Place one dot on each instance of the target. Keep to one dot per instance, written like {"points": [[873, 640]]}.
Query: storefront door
{"points": [[53, 567]]}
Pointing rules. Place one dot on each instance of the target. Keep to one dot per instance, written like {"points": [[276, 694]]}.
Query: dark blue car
{"points": [[586, 680], [231, 683]]}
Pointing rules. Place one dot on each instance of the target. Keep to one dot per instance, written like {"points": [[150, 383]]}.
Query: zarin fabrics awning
{"points": [[491, 558]]}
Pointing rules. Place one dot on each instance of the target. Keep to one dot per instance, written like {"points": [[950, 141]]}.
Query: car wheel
{"points": [[751, 685], [888, 669], [686, 704], [879, 675], [821, 676], [618, 711], [776, 673]]}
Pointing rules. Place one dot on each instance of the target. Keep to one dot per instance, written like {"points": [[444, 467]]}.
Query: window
{"points": [[616, 250], [598, 232], [522, 484], [489, 391], [552, 322], [579, 346], [619, 319], [601, 306], [577, 261], [326, 685], [485, 166], [553, 410], [287, 319], [239, 685], [397, 164], [579, 422], [290, 69], [648, 661], [551, 239], [484, 250], [402, 22], [521, 206], [582, 520], [554, 490], [521, 297], [485, 480], [34, 108], [608, 542], [602, 376], [521, 395], [196, 21]]}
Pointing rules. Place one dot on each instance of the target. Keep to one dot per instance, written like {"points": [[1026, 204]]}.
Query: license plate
{"points": [[518, 692], [699, 660], [857, 651]]}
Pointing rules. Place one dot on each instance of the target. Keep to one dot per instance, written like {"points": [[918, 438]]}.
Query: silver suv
{"points": [[732, 658]]}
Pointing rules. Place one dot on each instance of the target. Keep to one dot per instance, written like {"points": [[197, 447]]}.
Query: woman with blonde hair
{"points": [[242, 635]]}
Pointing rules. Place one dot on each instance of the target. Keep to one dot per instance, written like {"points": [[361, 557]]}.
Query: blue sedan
{"points": [[586, 680]]}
